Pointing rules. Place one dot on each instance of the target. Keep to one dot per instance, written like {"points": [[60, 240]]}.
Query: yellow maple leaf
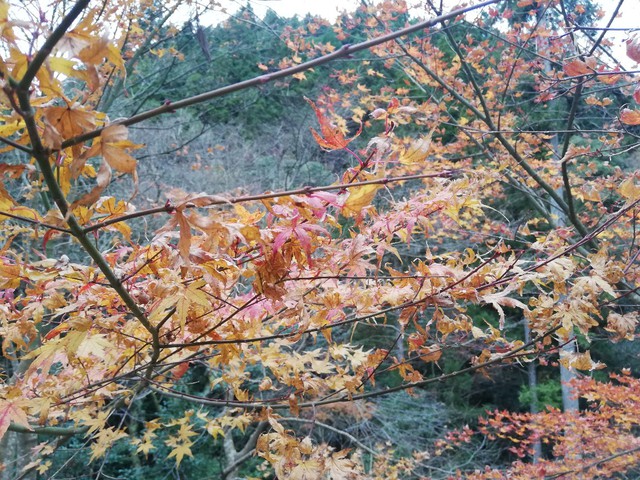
{"points": [[417, 151], [581, 361], [180, 451], [629, 190], [103, 440], [359, 198]]}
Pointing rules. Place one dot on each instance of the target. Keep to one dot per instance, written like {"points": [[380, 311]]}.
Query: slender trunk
{"points": [[533, 389], [16, 448], [16, 454]]}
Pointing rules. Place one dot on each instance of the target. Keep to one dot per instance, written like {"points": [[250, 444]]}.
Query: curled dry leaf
{"points": [[633, 48], [102, 182], [623, 326]]}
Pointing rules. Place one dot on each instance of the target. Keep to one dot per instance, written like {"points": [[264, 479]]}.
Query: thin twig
{"points": [[168, 208]]}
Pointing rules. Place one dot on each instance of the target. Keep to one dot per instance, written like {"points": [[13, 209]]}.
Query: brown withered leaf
{"points": [[100, 49], [102, 181], [71, 120], [112, 146], [114, 141], [51, 138], [623, 326]]}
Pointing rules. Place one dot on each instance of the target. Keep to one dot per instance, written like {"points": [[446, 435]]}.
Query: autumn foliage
{"points": [[483, 177]]}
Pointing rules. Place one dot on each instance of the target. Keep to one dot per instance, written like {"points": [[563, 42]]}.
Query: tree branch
{"points": [[55, 431], [168, 208], [47, 48], [353, 439], [344, 51], [34, 222]]}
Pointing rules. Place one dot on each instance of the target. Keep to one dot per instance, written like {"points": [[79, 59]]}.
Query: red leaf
{"points": [[633, 49], [330, 138], [179, 370]]}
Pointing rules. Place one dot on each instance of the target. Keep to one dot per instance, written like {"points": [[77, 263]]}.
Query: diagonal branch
{"points": [[353, 439], [168, 208], [41, 155], [34, 222], [345, 51], [15, 145]]}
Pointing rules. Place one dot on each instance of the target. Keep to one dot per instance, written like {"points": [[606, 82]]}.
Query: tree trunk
{"points": [[15, 455], [533, 389]]}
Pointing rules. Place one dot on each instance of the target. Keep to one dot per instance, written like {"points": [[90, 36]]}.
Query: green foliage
{"points": [[549, 394]]}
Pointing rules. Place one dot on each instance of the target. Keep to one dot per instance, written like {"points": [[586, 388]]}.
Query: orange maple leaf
{"points": [[576, 67], [630, 117], [330, 138]]}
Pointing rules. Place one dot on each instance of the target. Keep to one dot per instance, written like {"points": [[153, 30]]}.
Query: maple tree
{"points": [[266, 295]]}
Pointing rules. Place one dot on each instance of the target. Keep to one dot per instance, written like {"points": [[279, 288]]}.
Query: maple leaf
{"points": [[341, 467], [577, 68], [180, 451], [417, 151], [112, 146], [630, 117], [633, 48], [71, 120], [629, 190], [114, 141], [300, 231], [104, 440], [310, 469], [145, 444], [11, 411], [182, 298], [330, 136], [181, 443], [623, 326], [498, 300], [98, 49], [581, 361], [359, 198]]}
